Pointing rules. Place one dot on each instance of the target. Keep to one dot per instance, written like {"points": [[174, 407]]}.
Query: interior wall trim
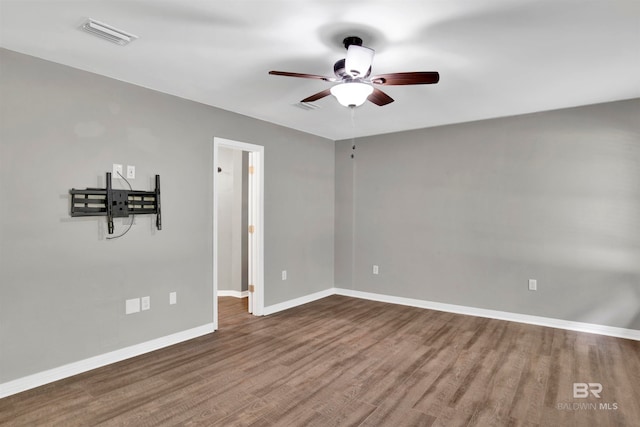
{"points": [[235, 294], [271, 309], [71, 369], [592, 328]]}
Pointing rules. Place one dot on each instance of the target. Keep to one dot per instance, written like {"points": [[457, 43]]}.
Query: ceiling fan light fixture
{"points": [[352, 94], [358, 61], [356, 85]]}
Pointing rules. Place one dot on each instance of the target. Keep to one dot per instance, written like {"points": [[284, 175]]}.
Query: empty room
{"points": [[320, 213]]}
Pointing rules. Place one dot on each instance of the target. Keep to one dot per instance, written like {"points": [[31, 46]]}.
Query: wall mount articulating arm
{"points": [[116, 203]]}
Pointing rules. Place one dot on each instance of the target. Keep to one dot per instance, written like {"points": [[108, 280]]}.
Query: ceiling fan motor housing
{"points": [[339, 68]]}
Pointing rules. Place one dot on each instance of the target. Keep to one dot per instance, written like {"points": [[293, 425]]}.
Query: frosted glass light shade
{"points": [[358, 60], [352, 94]]}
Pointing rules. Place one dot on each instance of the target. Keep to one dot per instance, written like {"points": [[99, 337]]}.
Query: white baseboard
{"points": [[236, 294], [41, 378], [65, 371], [298, 301], [632, 334]]}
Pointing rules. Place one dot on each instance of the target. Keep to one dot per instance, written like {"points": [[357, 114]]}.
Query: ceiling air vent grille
{"points": [[108, 32]]}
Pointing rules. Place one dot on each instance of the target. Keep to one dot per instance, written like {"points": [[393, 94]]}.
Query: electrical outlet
{"points": [[376, 270], [132, 306], [117, 171], [131, 172], [284, 274], [146, 303], [173, 298], [533, 285]]}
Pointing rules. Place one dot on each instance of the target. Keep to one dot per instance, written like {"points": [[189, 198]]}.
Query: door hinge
{"points": [[251, 169], [252, 288], [251, 229]]}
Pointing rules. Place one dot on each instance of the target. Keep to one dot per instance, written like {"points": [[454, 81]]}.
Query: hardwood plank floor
{"points": [[342, 361]]}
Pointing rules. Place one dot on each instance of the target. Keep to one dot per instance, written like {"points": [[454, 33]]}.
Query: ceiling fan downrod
{"points": [[351, 40]]}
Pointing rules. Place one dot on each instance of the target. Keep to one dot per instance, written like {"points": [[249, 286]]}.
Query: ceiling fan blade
{"points": [[301, 75], [317, 96], [411, 78], [380, 98]]}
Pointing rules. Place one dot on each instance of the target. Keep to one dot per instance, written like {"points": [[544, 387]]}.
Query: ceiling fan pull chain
{"points": [[353, 132]]}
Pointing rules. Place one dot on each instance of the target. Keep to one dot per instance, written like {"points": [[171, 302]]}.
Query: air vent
{"points": [[308, 106], [108, 32]]}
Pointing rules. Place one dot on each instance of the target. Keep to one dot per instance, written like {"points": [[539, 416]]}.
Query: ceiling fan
{"points": [[355, 83]]}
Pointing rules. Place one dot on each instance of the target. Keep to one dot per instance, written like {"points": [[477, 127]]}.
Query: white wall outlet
{"points": [[131, 172], [146, 303], [173, 298], [132, 306], [117, 171], [376, 270], [533, 285], [284, 274]]}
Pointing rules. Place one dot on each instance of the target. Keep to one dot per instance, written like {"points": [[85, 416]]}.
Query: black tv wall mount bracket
{"points": [[116, 203]]}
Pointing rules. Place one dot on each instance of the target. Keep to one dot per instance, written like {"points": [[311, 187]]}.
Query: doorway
{"points": [[255, 220]]}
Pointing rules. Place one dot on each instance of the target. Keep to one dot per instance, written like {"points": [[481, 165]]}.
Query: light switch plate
{"points": [[146, 303], [173, 298], [131, 172], [533, 285]]}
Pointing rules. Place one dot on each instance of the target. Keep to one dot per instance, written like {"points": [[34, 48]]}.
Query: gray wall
{"points": [[461, 214], [466, 214], [62, 285]]}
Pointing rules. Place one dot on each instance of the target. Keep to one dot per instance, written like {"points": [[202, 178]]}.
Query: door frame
{"points": [[257, 257]]}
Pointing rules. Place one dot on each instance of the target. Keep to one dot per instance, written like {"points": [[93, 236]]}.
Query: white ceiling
{"points": [[495, 57]]}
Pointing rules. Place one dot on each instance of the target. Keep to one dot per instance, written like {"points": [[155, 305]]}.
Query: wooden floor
{"points": [[346, 362]]}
